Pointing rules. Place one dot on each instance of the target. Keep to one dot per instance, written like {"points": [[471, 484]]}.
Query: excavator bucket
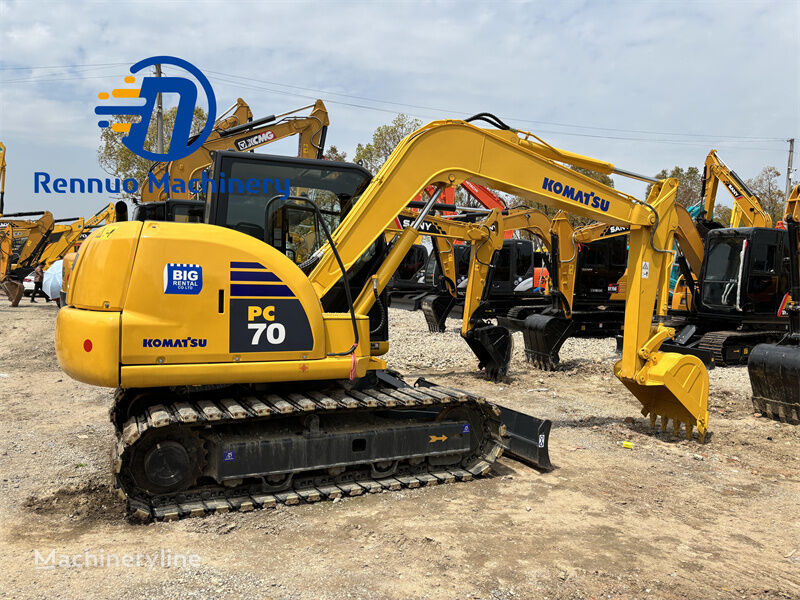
{"points": [[775, 368], [14, 290], [436, 307], [775, 376], [674, 387], [492, 345], [544, 335]]}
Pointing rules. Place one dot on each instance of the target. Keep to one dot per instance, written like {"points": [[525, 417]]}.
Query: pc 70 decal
{"points": [[269, 325]]}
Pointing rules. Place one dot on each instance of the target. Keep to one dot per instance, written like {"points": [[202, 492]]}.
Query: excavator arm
{"points": [[239, 132], [747, 209], [22, 246], [445, 153], [793, 204], [2, 177]]}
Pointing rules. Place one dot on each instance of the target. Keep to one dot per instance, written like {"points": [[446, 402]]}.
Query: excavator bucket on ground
{"points": [[436, 308], [14, 290], [492, 345], [775, 368], [544, 335], [674, 387], [775, 377]]}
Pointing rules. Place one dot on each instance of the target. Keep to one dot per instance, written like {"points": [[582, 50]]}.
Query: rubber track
{"points": [[715, 342], [255, 408]]}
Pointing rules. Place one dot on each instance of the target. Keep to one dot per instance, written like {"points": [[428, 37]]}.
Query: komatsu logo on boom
{"points": [[587, 198]]}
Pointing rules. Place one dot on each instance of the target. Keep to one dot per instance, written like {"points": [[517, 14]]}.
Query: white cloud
{"points": [[691, 67]]}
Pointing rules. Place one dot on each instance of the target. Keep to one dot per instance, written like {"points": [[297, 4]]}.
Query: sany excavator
{"points": [[233, 130], [446, 232], [775, 368], [747, 210], [22, 244], [736, 291], [245, 380], [419, 273]]}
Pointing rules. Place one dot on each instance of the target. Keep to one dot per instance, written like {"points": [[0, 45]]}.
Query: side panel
{"points": [[205, 294], [87, 345]]}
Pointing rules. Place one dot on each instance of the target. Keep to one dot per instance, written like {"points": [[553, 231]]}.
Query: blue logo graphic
{"points": [[465, 428], [181, 278], [228, 456], [187, 92]]}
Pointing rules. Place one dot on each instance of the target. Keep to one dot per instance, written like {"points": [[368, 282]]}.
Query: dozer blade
{"points": [[528, 438], [436, 307], [492, 345], [14, 290], [674, 387], [544, 335], [775, 377]]}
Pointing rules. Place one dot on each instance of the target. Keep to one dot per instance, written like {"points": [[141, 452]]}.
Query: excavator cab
{"points": [[293, 197], [745, 271]]}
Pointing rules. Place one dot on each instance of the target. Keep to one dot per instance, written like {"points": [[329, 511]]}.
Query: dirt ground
{"points": [[665, 519]]}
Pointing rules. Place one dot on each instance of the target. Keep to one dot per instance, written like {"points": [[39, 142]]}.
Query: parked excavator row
{"points": [[245, 379], [22, 242]]}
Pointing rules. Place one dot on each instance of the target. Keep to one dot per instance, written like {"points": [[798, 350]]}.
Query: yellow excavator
{"points": [[747, 209], [245, 379], [22, 244], [2, 177], [774, 369]]}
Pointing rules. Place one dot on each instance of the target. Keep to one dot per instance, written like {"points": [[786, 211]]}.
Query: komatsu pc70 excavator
{"points": [[245, 380]]}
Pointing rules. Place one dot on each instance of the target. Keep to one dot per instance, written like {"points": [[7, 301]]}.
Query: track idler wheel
{"points": [[774, 371], [492, 345], [165, 463], [544, 335], [436, 307]]}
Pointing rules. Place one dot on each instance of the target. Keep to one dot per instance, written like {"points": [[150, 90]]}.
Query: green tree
{"points": [[770, 189], [333, 153], [117, 160], [690, 184], [384, 140], [722, 214]]}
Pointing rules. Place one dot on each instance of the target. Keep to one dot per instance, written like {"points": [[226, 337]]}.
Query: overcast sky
{"points": [[646, 85]]}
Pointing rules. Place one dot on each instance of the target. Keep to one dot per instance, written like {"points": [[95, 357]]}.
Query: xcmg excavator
{"points": [[22, 244], [245, 379], [234, 130]]}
